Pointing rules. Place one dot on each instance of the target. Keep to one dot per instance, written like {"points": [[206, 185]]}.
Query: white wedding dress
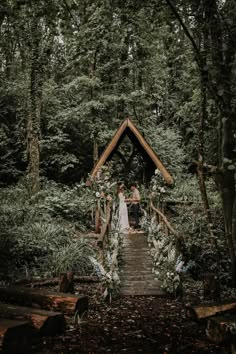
{"points": [[123, 214]]}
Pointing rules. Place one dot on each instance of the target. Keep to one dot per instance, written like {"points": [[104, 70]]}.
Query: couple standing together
{"points": [[123, 210]]}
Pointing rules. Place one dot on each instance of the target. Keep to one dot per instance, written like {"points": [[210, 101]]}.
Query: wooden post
{"points": [[97, 219], [66, 283], [211, 286]]}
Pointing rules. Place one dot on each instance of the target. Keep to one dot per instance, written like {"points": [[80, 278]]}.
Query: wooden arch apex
{"points": [[127, 123]]}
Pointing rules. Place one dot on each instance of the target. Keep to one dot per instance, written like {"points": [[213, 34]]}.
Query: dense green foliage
{"points": [[40, 239], [70, 72]]}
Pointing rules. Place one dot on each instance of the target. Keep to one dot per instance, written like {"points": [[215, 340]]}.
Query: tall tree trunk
{"points": [[33, 128], [221, 50], [200, 170], [228, 194]]}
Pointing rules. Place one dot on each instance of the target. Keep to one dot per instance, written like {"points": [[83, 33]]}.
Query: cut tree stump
{"points": [[40, 298], [221, 329], [211, 286], [66, 283], [207, 310], [47, 322], [16, 336]]}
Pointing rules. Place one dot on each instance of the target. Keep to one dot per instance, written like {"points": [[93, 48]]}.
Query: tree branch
{"points": [[71, 15], [186, 31]]}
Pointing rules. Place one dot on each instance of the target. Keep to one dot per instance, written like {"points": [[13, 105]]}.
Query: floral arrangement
{"points": [[162, 247], [104, 190]]}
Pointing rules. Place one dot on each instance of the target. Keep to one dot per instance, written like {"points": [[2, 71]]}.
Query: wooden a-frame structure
{"points": [[128, 128]]}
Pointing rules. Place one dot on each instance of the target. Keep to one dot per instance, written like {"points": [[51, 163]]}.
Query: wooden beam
{"points": [[127, 123], [207, 310], [109, 149], [151, 153]]}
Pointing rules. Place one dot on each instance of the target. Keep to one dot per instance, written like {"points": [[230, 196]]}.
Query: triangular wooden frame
{"points": [[127, 123]]}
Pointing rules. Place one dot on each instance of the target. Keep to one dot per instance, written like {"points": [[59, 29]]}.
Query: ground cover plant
{"points": [[39, 237]]}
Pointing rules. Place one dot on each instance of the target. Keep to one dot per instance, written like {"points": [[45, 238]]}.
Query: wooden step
{"points": [[137, 277], [47, 322], [135, 252], [129, 269], [133, 256], [139, 283], [136, 274], [136, 260], [141, 292]]}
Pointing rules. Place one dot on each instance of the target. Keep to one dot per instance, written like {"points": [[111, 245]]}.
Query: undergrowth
{"points": [[39, 237], [188, 219]]}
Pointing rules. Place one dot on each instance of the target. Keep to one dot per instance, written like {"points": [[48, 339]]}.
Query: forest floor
{"points": [[130, 325]]}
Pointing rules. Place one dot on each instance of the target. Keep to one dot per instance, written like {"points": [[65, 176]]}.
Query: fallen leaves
{"points": [[131, 325]]}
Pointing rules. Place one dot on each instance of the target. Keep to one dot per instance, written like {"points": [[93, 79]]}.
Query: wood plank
{"points": [[207, 310], [16, 336], [47, 322], [48, 300]]}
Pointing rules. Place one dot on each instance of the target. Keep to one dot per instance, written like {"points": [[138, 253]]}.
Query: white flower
{"points": [[154, 188], [157, 172], [97, 194], [179, 266]]}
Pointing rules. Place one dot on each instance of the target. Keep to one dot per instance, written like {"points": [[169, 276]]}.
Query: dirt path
{"points": [[132, 325]]}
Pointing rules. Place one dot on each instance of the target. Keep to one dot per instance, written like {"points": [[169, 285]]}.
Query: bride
{"points": [[123, 211]]}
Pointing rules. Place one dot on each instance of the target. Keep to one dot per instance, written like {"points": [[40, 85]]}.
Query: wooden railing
{"points": [[168, 225]]}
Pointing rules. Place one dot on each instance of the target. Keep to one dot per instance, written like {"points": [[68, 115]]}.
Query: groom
{"points": [[135, 203]]}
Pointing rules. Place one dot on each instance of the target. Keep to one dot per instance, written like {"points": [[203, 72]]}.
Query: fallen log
{"points": [[48, 300], [207, 310], [47, 322], [34, 283], [221, 329], [16, 336]]}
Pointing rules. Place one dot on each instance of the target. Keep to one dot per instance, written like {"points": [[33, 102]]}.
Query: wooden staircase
{"points": [[136, 268]]}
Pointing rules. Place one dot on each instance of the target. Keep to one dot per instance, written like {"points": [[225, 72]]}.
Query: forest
{"points": [[71, 72]]}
